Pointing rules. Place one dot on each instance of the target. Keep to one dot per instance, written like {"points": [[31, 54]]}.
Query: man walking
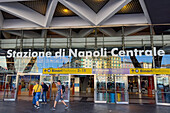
{"points": [[37, 91], [59, 96], [44, 95]]}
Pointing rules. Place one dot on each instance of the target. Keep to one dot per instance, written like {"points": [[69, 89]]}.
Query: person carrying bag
{"points": [[37, 91]]}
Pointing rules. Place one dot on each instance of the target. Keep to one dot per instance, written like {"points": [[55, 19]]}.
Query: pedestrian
{"points": [[59, 95], [37, 91], [44, 95]]}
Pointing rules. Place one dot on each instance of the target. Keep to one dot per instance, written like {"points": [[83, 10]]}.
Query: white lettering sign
{"points": [[75, 53]]}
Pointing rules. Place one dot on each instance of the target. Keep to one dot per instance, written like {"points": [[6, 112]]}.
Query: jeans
{"points": [[44, 96], [37, 96], [34, 101]]}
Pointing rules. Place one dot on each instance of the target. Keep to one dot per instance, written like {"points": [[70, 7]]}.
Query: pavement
{"points": [[81, 107]]}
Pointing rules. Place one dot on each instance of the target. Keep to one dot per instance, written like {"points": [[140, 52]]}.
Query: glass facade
{"points": [[109, 87]]}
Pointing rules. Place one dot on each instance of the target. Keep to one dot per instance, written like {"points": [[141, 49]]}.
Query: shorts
{"points": [[58, 97], [37, 96]]}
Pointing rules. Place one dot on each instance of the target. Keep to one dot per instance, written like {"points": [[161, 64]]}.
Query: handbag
{"points": [[35, 91]]}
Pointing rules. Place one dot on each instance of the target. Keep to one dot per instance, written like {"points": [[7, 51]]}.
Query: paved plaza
{"points": [[81, 107]]}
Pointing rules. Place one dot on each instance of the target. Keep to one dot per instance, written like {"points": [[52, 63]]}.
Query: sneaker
{"points": [[35, 106], [53, 108], [42, 102], [38, 107], [66, 107]]}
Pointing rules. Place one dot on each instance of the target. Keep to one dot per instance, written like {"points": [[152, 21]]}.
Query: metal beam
{"points": [[124, 19], [50, 12], [70, 37], [13, 0], [68, 22], [44, 35], [23, 12], [142, 3], [131, 30], [111, 8], [123, 37], [152, 46], [21, 41], [111, 32], [108, 31], [64, 32], [27, 34], [19, 24], [81, 9], [95, 39], [75, 22], [85, 32], [6, 35], [1, 19]]}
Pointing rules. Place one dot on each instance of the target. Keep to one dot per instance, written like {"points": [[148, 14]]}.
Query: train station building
{"points": [[103, 51]]}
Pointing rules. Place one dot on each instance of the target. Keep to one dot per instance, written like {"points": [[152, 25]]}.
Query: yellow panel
{"points": [[67, 71], [149, 71]]}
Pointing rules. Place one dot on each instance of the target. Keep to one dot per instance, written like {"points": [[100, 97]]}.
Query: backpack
{"points": [[63, 88], [45, 87]]}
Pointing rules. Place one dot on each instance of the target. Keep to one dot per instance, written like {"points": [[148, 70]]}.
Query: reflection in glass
{"points": [[101, 88], [111, 89], [2, 86], [163, 89], [121, 89], [10, 87], [25, 87]]}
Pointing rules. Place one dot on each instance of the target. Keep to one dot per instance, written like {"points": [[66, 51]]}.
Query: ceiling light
{"points": [[125, 7], [65, 10]]}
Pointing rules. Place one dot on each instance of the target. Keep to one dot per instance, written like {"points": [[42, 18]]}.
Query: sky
{"points": [[51, 62], [165, 59], [139, 58]]}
